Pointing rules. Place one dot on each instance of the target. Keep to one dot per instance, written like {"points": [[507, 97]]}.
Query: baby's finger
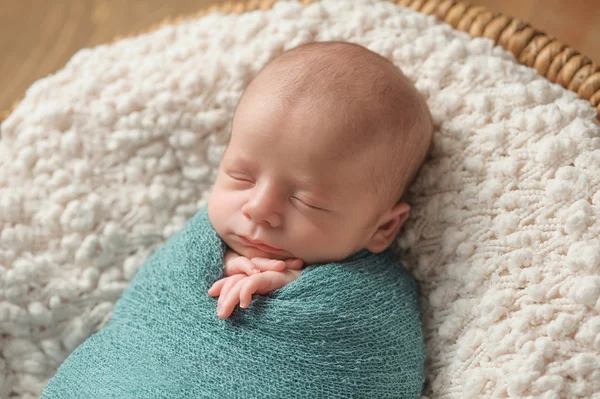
{"points": [[266, 264], [215, 289], [294, 264], [227, 302], [248, 288], [240, 265], [231, 281]]}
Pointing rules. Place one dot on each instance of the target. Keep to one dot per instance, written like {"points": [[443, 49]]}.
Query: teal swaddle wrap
{"points": [[347, 329]]}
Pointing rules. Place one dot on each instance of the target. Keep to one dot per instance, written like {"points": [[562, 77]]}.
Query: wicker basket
{"points": [[550, 57]]}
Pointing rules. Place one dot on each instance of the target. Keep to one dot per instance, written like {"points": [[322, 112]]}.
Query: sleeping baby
{"points": [[324, 142]]}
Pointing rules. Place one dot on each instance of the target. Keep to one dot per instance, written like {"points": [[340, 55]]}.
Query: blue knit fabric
{"points": [[347, 329]]}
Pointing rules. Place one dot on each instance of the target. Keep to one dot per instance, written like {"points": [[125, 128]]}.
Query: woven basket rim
{"points": [[550, 57]]}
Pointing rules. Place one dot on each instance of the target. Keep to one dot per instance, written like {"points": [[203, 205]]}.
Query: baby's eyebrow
{"points": [[242, 161], [323, 192]]}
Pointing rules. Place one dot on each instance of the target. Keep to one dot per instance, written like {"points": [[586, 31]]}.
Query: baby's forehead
{"points": [[325, 131]]}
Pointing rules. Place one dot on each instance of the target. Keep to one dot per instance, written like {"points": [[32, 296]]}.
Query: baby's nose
{"points": [[261, 215], [262, 209]]}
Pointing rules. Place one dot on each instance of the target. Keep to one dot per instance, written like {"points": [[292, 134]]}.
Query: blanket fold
{"points": [[342, 330]]}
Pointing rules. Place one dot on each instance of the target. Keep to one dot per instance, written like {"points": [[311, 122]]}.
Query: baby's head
{"points": [[325, 141]]}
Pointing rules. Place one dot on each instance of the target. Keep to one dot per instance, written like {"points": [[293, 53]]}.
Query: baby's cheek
{"points": [[225, 212], [313, 240], [218, 210]]}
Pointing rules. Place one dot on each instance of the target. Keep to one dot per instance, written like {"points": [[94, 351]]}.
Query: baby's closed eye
{"points": [[308, 204], [239, 178]]}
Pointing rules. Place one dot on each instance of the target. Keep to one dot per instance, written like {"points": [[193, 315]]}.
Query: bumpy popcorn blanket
{"points": [[103, 161]]}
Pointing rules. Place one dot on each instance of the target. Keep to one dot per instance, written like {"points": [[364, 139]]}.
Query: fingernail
{"points": [[219, 309], [255, 270]]}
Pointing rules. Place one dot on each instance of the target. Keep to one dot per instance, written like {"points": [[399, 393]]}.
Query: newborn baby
{"points": [[324, 143]]}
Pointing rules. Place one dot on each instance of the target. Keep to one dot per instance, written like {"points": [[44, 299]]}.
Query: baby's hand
{"points": [[239, 288], [245, 277], [238, 264]]}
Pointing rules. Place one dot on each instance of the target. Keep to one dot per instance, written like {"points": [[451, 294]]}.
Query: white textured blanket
{"points": [[104, 160]]}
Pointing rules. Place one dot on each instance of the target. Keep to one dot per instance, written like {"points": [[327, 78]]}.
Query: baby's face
{"points": [[277, 184]]}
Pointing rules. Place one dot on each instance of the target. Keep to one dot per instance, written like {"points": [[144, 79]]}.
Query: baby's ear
{"points": [[388, 226]]}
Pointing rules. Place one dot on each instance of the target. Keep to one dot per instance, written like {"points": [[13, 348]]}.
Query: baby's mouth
{"points": [[260, 245]]}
